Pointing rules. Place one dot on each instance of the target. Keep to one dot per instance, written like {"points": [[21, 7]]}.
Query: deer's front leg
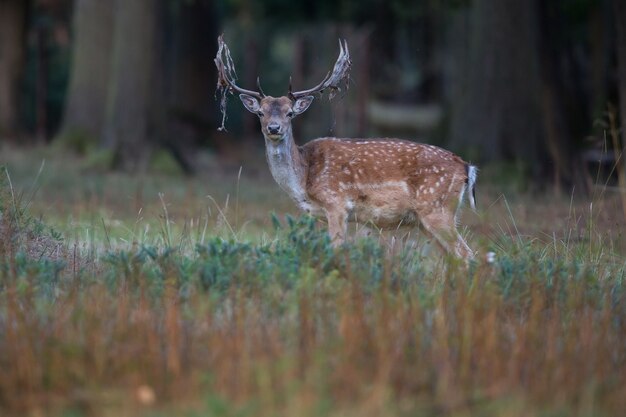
{"points": [[337, 224]]}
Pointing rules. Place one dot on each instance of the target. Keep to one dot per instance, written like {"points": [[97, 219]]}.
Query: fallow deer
{"points": [[383, 182]]}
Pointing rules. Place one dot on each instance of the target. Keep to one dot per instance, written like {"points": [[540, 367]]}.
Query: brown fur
{"points": [[387, 183]]}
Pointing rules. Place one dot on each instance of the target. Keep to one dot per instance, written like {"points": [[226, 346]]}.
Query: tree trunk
{"points": [[12, 20], [601, 48], [90, 68], [556, 124], [191, 58], [42, 34], [189, 79], [129, 103], [620, 24], [497, 114]]}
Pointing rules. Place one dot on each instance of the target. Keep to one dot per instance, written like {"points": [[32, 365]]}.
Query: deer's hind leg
{"points": [[442, 226]]}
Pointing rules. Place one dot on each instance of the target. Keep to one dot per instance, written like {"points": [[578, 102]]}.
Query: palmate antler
{"points": [[226, 76], [334, 79]]}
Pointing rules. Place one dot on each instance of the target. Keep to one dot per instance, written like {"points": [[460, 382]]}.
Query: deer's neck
{"points": [[288, 167]]}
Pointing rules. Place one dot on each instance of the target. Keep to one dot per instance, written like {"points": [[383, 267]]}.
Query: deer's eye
{"points": [[259, 113], [290, 114]]}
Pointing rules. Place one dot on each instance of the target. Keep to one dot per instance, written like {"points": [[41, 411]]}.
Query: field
{"points": [[170, 296]]}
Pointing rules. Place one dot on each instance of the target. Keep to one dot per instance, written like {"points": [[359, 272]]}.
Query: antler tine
{"points": [[333, 79], [258, 84], [289, 91]]}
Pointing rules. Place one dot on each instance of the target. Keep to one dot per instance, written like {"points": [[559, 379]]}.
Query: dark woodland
{"points": [[530, 85]]}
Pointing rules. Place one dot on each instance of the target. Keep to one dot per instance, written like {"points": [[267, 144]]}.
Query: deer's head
{"points": [[276, 113]]}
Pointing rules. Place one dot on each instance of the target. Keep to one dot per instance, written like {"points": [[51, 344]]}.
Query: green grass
{"points": [[196, 307]]}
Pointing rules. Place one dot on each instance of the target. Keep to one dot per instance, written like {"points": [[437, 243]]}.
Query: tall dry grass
{"points": [[294, 328]]}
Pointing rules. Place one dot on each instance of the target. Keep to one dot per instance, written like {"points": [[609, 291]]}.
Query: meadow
{"points": [[162, 295]]}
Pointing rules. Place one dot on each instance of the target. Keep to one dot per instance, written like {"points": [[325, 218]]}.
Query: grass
{"points": [[162, 301]]}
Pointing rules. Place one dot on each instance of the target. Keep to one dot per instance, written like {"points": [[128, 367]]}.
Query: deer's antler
{"points": [[226, 76], [333, 80]]}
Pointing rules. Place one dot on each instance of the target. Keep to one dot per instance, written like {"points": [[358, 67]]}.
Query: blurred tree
{"points": [[188, 113], [43, 82], [620, 24], [130, 104], [12, 47], [90, 68], [599, 21], [142, 77], [497, 114], [553, 95]]}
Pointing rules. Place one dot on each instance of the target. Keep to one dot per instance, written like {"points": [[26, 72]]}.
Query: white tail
{"points": [[386, 183], [472, 173]]}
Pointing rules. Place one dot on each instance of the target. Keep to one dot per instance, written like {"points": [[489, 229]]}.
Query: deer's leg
{"points": [[441, 225], [337, 225]]}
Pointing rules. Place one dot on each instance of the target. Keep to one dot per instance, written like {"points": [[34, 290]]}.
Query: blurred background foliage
{"points": [[530, 85]]}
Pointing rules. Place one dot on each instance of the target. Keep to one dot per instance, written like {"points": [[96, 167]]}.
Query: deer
{"points": [[381, 182]]}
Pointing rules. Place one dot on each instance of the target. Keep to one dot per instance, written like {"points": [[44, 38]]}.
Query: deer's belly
{"points": [[385, 208], [384, 216]]}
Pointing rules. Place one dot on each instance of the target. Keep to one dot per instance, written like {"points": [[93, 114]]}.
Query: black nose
{"points": [[273, 128]]}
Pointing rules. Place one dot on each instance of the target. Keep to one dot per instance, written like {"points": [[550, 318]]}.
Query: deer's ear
{"points": [[302, 104], [251, 103]]}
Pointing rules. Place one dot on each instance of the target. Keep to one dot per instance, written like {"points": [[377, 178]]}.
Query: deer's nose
{"points": [[273, 128]]}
